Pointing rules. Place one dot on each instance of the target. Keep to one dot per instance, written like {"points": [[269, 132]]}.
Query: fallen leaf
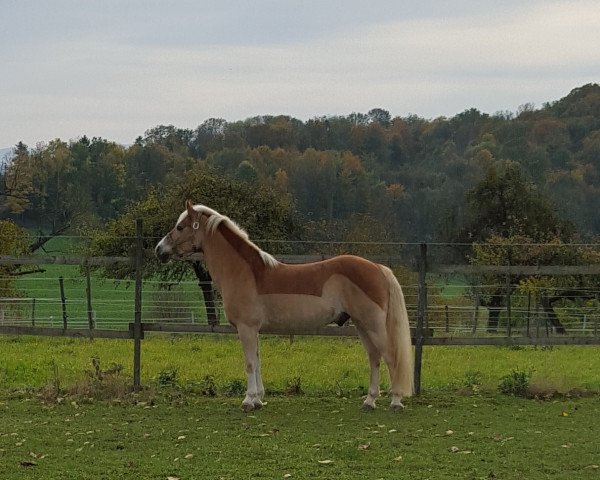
{"points": [[449, 432], [366, 446], [189, 455], [172, 478], [592, 467], [454, 449], [287, 475], [564, 414], [325, 462], [398, 458]]}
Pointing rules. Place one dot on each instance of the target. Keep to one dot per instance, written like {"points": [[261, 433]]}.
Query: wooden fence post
{"points": [[446, 311], [137, 324], [33, 312], [508, 307], [475, 314], [537, 316], [63, 301], [421, 313], [88, 294], [528, 313]]}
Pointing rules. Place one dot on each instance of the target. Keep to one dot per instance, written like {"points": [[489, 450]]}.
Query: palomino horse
{"points": [[261, 293]]}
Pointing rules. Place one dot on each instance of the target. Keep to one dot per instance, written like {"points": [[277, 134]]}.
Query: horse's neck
{"points": [[224, 260]]}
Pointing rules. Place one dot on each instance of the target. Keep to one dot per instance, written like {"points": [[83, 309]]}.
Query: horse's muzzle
{"points": [[163, 254]]}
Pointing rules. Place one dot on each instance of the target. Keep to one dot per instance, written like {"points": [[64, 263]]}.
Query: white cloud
{"points": [[107, 84]]}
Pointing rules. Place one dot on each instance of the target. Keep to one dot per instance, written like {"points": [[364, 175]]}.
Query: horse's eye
{"points": [[179, 228]]}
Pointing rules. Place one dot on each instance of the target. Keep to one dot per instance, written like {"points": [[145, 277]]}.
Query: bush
{"points": [[235, 388], [294, 386], [208, 387], [167, 377], [473, 381], [516, 383]]}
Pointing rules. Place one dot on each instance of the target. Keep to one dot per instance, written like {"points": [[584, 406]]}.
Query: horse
{"points": [[261, 293]]}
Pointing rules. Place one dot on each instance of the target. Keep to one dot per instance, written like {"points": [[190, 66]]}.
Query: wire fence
{"points": [[505, 302], [457, 305]]}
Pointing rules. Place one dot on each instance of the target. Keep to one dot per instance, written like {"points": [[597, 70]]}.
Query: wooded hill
{"points": [[368, 176]]}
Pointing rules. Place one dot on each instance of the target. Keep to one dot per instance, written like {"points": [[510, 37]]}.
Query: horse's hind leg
{"points": [[375, 341], [249, 338], [259, 383], [374, 363]]}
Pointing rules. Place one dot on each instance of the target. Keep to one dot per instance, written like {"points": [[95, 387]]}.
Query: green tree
{"points": [[13, 241], [563, 290], [16, 181], [506, 204], [267, 217]]}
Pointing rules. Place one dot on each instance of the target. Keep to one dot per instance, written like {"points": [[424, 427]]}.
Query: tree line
{"points": [[401, 178]]}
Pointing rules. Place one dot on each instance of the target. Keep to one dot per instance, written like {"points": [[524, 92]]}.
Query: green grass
{"points": [[178, 432], [435, 437], [323, 365]]}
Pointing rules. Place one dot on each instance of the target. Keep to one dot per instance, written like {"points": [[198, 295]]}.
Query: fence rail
{"points": [[436, 319]]}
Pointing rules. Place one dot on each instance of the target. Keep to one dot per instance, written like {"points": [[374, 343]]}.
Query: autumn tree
{"points": [[267, 217], [505, 204], [13, 241]]}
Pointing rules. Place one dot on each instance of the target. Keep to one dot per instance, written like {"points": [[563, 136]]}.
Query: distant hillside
{"points": [[4, 152], [368, 175]]}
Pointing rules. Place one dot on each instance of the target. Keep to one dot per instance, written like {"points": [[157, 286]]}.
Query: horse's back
{"points": [[313, 278]]}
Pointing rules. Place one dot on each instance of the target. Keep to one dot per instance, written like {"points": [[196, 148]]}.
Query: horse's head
{"points": [[184, 242]]}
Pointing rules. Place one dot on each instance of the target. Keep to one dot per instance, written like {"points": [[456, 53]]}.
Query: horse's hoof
{"points": [[257, 404], [248, 407], [396, 407], [367, 407]]}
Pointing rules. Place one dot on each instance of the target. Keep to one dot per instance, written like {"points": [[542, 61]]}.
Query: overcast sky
{"points": [[115, 68]]}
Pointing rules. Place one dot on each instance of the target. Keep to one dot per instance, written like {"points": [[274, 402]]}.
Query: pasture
{"points": [[438, 436], [62, 419]]}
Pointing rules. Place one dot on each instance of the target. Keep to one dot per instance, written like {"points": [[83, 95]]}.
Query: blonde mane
{"points": [[215, 219]]}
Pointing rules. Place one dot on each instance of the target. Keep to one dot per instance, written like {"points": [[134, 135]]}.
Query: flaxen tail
{"points": [[398, 338]]}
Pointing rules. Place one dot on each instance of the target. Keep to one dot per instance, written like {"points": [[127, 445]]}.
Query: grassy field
{"points": [[61, 418], [435, 437], [319, 365]]}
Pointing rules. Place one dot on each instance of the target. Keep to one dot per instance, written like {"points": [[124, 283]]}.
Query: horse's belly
{"points": [[287, 313]]}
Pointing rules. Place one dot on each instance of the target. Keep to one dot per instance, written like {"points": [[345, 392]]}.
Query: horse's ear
{"points": [[190, 208]]}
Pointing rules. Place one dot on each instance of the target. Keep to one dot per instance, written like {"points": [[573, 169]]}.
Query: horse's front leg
{"points": [[249, 338]]}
